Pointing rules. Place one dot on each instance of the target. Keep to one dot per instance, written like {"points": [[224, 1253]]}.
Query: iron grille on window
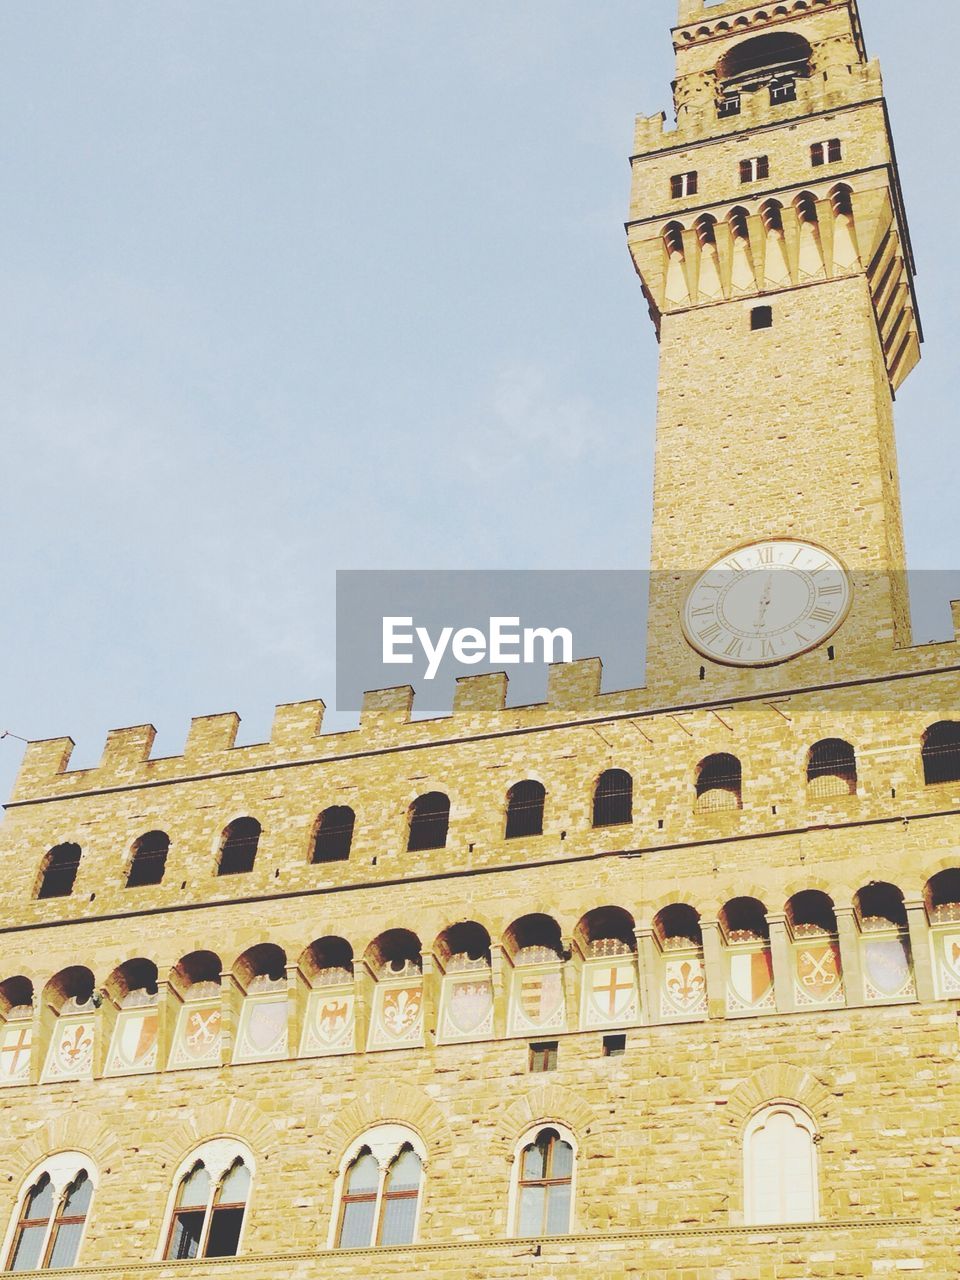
{"points": [[613, 799], [719, 783], [239, 850], [429, 819], [149, 859], [59, 871], [831, 769], [525, 810], [941, 753], [334, 834]]}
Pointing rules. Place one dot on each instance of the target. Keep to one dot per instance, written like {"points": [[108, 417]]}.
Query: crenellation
{"points": [[210, 736], [297, 725], [384, 710], [479, 696], [574, 684]]}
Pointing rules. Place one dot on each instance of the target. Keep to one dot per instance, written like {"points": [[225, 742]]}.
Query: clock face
{"points": [[766, 602]]}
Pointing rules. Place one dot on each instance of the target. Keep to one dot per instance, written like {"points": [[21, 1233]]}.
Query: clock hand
{"points": [[764, 601]]}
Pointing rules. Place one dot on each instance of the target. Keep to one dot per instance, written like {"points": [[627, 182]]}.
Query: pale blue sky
{"points": [[309, 285]]}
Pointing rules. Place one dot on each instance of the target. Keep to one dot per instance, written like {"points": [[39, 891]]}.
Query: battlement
{"points": [[700, 21]]}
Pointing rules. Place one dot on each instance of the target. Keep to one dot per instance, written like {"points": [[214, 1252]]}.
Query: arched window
{"points": [[149, 859], [59, 871], [238, 847], [719, 783], [525, 809], [780, 1167], [333, 834], [767, 59], [831, 769], [613, 798], [379, 1189], [52, 1215], [940, 750], [210, 1203], [544, 1188], [429, 819]]}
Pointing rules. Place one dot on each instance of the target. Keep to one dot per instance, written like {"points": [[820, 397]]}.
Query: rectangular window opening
{"points": [[683, 184], [614, 1046], [761, 318], [755, 169], [543, 1056]]}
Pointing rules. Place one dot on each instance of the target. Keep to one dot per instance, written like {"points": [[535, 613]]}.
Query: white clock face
{"points": [[766, 602]]}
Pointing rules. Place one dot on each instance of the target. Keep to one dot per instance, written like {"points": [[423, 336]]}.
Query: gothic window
{"points": [[683, 184], [940, 750], [149, 859], [333, 834], [209, 1207], [826, 152], [59, 871], [525, 809], [780, 1167], [831, 769], [238, 847], [380, 1184], [613, 798], [719, 783], [544, 1187], [429, 820], [52, 1215], [755, 169]]}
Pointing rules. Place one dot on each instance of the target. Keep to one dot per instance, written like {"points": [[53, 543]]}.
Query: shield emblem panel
{"points": [[750, 985], [134, 1044], [16, 1039], [329, 1024], [947, 948], [683, 993], [196, 1041], [467, 1008], [536, 1002], [263, 1029], [817, 972], [70, 1056], [397, 1016], [887, 971], [610, 993]]}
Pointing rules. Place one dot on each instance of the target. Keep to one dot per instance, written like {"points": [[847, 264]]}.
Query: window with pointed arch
{"points": [[780, 1166], [52, 1214], [209, 1206], [379, 1189], [543, 1174]]}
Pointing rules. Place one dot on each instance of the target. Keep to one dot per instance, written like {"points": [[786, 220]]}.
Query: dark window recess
{"points": [[149, 859], [761, 318], [755, 169], [941, 753], [783, 91], [239, 849], [225, 1227], [614, 1046], [826, 152], [613, 798], [334, 834], [729, 105], [719, 783], [543, 1056], [525, 809], [684, 184], [429, 820], [59, 871]]}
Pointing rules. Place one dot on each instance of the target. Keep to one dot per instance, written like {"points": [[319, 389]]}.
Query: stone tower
{"points": [[768, 231], [652, 984]]}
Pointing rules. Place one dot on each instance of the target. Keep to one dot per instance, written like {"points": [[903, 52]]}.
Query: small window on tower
{"points": [[754, 169], [683, 184], [826, 152], [761, 318], [543, 1056]]}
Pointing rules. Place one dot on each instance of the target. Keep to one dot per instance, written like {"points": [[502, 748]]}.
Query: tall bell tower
{"points": [[768, 231]]}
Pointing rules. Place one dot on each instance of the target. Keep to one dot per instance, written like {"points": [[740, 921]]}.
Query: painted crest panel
{"points": [[134, 1044], [397, 1016], [887, 969], [70, 1056], [536, 1001], [818, 973], [262, 1034], [16, 1039], [466, 1007], [683, 993], [196, 1041], [610, 993], [329, 1023], [750, 980], [946, 946]]}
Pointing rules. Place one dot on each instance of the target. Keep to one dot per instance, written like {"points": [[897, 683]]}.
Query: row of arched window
{"points": [[531, 984], [831, 770], [379, 1191]]}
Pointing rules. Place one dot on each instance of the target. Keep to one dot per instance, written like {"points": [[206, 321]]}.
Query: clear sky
{"points": [[322, 284]]}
